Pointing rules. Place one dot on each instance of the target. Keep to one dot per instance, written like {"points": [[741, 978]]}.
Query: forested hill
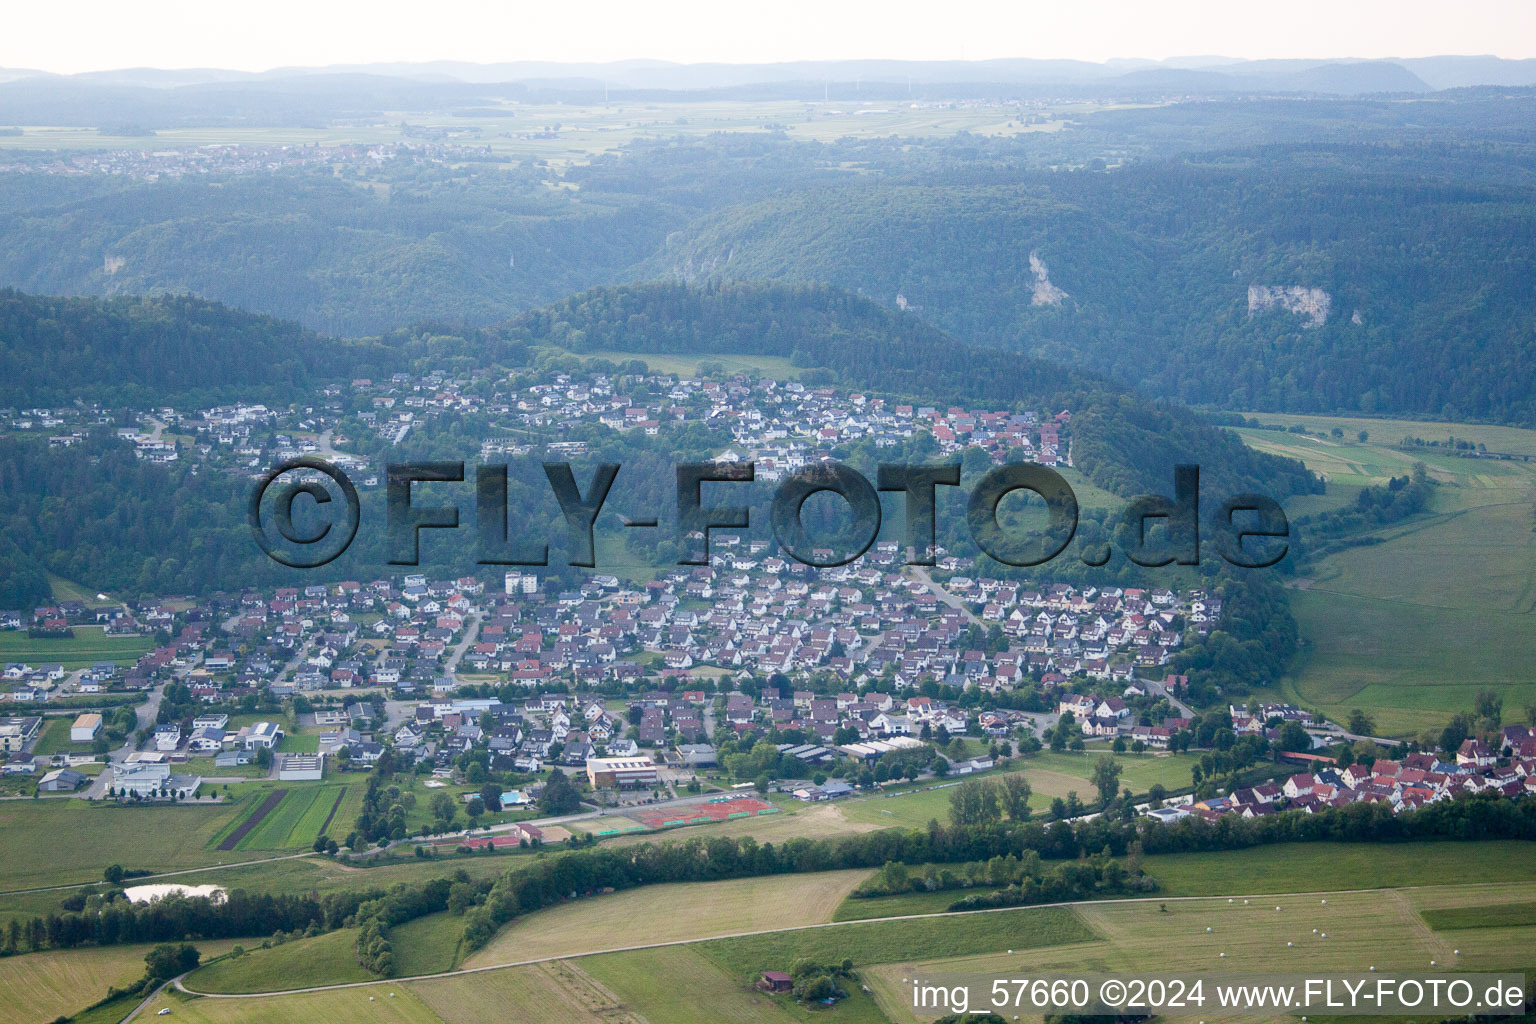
{"points": [[1123, 442], [55, 350], [1306, 278], [135, 351]]}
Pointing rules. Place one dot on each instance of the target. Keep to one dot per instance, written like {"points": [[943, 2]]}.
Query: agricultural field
{"points": [[286, 818], [558, 992], [1380, 928], [679, 984], [41, 986], [585, 131], [392, 1004], [795, 819], [1287, 867], [329, 959], [1409, 628], [878, 942], [88, 646], [1302, 867], [61, 842], [670, 913]]}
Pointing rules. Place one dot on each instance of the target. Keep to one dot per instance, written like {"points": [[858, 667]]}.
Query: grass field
{"points": [[1288, 867], [394, 1004], [776, 367], [427, 945], [678, 984], [879, 942], [813, 822], [667, 913], [41, 986], [1300, 867], [87, 646], [897, 906], [1050, 775], [550, 993], [1483, 915], [1363, 929], [68, 590], [327, 959], [55, 738], [1410, 628]]}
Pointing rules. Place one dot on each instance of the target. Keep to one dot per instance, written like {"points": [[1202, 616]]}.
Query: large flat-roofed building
{"points": [[623, 772], [147, 780], [301, 767], [86, 728]]}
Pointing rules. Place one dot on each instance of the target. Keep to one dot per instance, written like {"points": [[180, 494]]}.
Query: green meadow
{"points": [[1409, 628], [88, 646]]}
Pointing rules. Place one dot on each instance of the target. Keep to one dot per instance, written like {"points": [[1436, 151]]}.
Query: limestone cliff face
{"points": [[1045, 293], [1312, 303]]}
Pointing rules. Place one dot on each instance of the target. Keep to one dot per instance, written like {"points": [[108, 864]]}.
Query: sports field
{"points": [[1409, 628], [668, 913]]}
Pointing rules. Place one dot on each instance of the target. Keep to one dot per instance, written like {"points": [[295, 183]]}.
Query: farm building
{"points": [[62, 780], [776, 981], [86, 728]]}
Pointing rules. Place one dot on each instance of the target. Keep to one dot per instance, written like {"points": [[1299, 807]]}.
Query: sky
{"points": [[68, 36]]}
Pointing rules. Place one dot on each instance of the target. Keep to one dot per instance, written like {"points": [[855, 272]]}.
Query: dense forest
{"points": [[1423, 257], [134, 352]]}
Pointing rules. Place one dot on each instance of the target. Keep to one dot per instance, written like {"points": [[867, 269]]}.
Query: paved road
{"points": [[471, 632], [1157, 689], [921, 573]]}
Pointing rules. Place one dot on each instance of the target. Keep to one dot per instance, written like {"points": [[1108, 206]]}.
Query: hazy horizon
{"points": [[96, 36]]}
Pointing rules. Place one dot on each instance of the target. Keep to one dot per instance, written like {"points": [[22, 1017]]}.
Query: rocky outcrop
{"points": [[1312, 303], [1046, 294]]}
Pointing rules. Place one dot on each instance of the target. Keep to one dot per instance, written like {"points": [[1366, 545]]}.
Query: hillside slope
{"points": [[1124, 443], [1306, 279]]}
